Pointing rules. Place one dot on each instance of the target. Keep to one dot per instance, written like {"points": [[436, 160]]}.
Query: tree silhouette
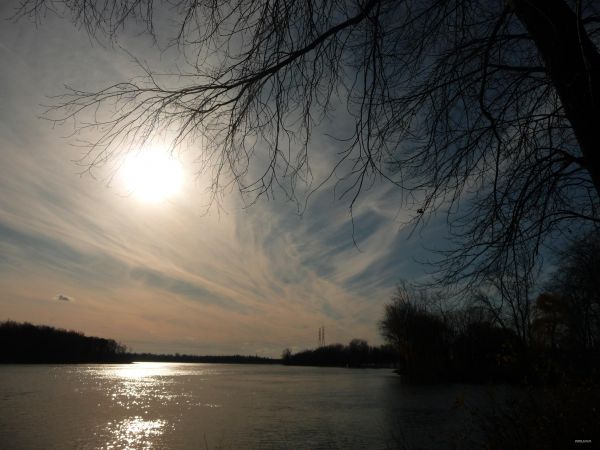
{"points": [[419, 336], [568, 314], [461, 344], [506, 294], [27, 343], [551, 324], [358, 353], [494, 102]]}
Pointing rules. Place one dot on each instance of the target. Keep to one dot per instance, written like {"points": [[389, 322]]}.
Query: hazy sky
{"points": [[77, 252]]}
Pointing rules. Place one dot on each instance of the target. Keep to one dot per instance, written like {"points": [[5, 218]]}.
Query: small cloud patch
{"points": [[64, 298]]}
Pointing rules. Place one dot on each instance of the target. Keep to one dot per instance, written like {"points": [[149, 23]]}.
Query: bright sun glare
{"points": [[152, 174]]}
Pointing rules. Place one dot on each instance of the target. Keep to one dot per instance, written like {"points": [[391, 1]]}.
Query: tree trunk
{"points": [[573, 64]]}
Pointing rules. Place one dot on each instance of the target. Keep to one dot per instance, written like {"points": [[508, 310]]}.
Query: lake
{"points": [[214, 406]]}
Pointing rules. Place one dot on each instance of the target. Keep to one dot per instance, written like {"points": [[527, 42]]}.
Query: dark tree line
{"points": [[27, 343], [358, 353], [436, 345], [566, 319], [210, 359], [504, 333]]}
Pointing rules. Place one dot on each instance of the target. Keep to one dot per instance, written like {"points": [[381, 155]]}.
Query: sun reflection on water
{"points": [[143, 370], [140, 389], [135, 433], [139, 397], [139, 385]]}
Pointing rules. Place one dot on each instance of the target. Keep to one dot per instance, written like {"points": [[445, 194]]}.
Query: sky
{"points": [[79, 251]]}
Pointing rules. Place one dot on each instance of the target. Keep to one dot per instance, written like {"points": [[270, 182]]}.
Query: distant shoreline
{"points": [[207, 359], [25, 343]]}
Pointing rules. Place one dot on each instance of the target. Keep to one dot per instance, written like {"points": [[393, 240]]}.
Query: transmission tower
{"points": [[321, 336]]}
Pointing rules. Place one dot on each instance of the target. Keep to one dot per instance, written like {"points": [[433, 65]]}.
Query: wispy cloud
{"points": [[167, 276], [193, 291]]}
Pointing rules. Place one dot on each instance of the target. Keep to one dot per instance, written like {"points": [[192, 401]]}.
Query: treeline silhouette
{"points": [[27, 343], [504, 333], [454, 346], [358, 353], [218, 359]]}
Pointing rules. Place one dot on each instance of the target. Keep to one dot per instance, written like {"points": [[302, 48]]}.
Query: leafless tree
{"points": [[420, 335], [571, 304], [507, 293], [486, 109]]}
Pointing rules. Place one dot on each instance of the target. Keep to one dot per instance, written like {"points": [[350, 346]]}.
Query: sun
{"points": [[152, 174]]}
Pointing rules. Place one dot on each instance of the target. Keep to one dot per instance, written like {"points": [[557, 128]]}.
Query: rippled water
{"points": [[209, 407]]}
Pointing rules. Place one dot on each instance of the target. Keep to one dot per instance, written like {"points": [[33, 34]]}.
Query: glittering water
{"points": [[210, 407]]}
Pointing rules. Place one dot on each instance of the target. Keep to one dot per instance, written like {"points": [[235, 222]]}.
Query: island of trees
{"points": [[358, 353]]}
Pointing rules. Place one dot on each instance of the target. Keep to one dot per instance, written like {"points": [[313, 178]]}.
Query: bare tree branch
{"points": [[467, 106]]}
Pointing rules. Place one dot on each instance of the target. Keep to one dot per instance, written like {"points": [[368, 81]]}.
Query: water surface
{"points": [[212, 406]]}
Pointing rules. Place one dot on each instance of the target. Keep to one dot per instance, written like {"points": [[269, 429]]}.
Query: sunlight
{"points": [[143, 370], [135, 433], [152, 174]]}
